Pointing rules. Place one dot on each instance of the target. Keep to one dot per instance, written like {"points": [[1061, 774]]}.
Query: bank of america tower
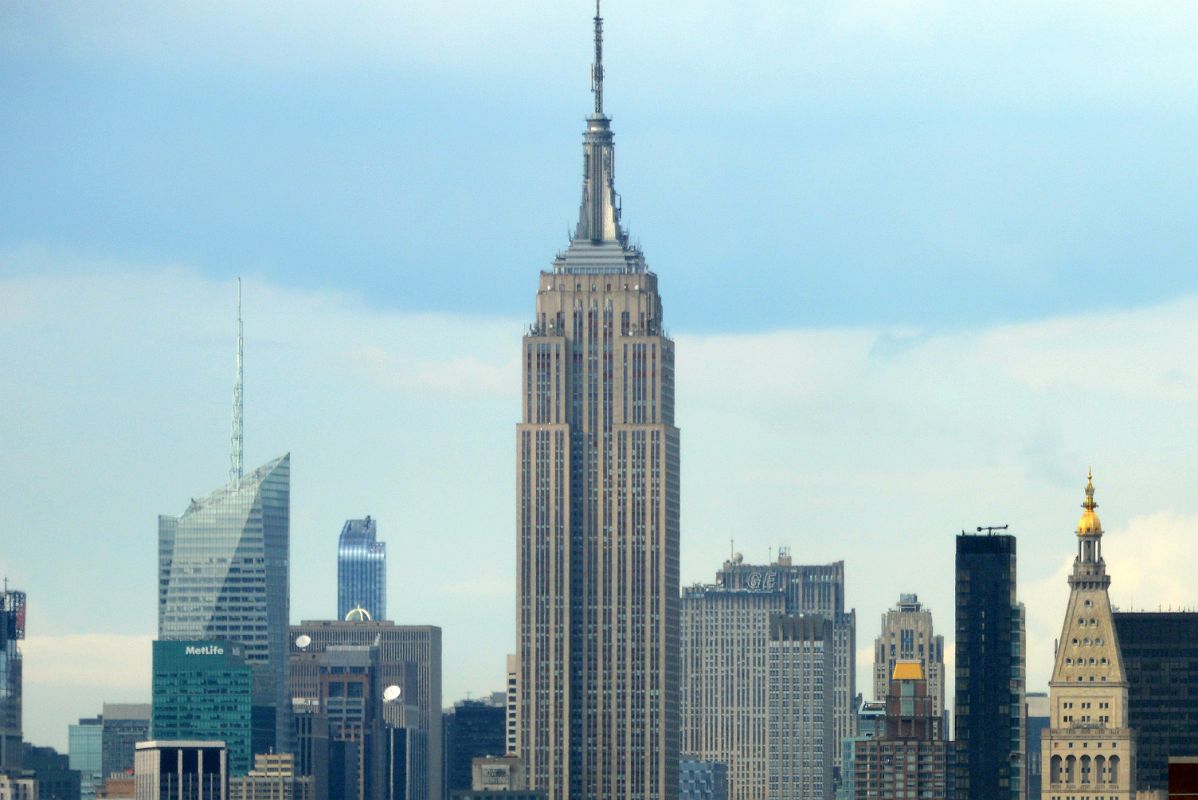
{"points": [[597, 510]]}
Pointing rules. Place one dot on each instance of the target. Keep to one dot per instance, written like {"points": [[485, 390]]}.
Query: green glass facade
{"points": [[203, 691]]}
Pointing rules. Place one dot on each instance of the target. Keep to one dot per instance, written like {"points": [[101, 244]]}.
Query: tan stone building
{"points": [[725, 705], [1088, 751], [907, 635], [597, 477], [272, 778]]}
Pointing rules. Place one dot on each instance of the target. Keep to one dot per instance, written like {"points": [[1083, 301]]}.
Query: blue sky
{"points": [[939, 258], [899, 162]]}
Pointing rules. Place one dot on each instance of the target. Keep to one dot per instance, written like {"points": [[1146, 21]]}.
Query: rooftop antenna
{"points": [[237, 438], [597, 67]]}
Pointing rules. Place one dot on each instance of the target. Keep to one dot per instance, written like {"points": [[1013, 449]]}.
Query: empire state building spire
{"points": [[597, 67], [599, 213]]}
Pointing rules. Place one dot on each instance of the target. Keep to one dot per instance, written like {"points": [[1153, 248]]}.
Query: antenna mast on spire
{"points": [[597, 67], [237, 439]]}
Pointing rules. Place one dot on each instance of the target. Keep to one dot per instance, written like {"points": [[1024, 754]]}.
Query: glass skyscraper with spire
{"points": [[224, 572], [597, 511]]}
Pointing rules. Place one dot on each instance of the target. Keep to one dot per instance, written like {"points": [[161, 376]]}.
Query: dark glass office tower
{"points": [[55, 778], [12, 630], [1160, 662], [361, 570], [474, 728], [223, 574], [989, 707], [597, 482]]}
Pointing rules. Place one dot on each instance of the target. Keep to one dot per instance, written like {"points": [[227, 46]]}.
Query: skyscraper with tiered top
{"points": [[597, 510], [1088, 750]]}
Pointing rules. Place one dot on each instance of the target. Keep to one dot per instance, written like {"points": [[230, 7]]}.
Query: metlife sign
{"points": [[204, 650], [198, 654]]}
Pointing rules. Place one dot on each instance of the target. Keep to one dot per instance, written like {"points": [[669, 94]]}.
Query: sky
{"points": [[924, 265]]}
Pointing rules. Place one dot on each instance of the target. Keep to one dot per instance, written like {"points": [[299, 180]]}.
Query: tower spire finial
{"points": [[597, 67], [236, 439]]}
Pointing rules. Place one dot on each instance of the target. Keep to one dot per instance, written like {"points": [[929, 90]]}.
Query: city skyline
{"points": [[88, 326]]}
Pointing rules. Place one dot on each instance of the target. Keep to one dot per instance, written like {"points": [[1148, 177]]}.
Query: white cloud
{"points": [[70, 676], [103, 662], [872, 446]]}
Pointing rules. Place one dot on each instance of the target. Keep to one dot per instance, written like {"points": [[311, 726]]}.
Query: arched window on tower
{"points": [[1070, 769], [1099, 769], [1054, 770], [1113, 770], [1085, 769]]}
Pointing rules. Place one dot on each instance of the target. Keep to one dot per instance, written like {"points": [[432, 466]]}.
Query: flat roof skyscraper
{"points": [[203, 690], [361, 569], [224, 573], [409, 656], [123, 726], [725, 697], [1160, 662], [85, 749], [597, 510], [811, 589], [181, 770], [471, 729], [801, 723], [989, 706], [12, 630]]}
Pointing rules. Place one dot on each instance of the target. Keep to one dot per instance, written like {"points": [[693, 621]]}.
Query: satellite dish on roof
{"points": [[391, 693], [303, 640]]}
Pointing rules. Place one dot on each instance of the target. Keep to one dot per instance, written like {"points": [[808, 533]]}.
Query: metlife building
{"points": [[203, 691]]}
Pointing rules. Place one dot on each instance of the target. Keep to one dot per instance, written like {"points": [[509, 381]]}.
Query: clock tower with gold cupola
{"points": [[1088, 752]]}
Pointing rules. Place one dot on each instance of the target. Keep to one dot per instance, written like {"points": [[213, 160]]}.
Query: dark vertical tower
{"points": [[361, 569], [990, 678], [597, 511], [12, 630], [473, 729]]}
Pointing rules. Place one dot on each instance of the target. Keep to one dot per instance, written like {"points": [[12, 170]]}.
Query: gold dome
{"points": [[358, 614], [1089, 524]]}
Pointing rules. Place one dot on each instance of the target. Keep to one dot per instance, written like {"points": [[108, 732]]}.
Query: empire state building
{"points": [[597, 511]]}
